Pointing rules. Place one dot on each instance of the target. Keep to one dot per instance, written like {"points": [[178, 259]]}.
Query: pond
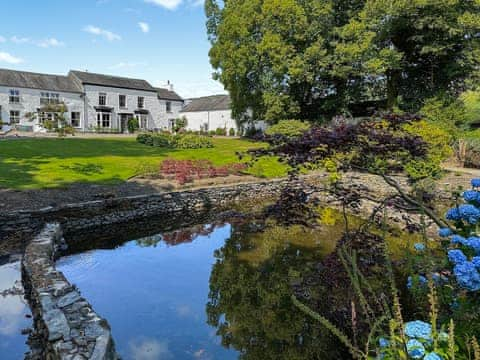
{"points": [[13, 311], [214, 291]]}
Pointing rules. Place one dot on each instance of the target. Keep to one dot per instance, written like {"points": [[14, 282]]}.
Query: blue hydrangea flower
{"points": [[445, 232], [432, 356], [453, 214], [469, 212], [467, 276], [415, 349], [383, 342], [475, 183], [476, 262], [419, 247], [457, 239], [422, 280], [418, 329], [471, 195], [474, 243], [456, 256]]}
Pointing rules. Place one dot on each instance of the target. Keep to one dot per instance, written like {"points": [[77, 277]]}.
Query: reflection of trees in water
{"points": [[251, 308], [182, 236]]}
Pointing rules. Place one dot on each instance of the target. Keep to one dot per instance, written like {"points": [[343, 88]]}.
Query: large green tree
{"points": [[307, 58]]}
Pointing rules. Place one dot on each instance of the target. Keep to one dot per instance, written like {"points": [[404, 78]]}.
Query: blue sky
{"points": [[156, 40]]}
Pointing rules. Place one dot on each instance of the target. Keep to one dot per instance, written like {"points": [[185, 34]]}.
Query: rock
{"points": [[68, 299], [57, 324]]}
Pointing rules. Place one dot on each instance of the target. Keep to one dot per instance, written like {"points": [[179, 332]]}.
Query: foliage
{"points": [[231, 132], [377, 146], [468, 151], [132, 125], [185, 171], [304, 59], [471, 102], [193, 142], [58, 124], [220, 131], [180, 124], [289, 128], [184, 141], [449, 115]]}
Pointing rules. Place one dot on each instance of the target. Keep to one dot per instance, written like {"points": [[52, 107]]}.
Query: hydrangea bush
{"points": [[464, 249]]}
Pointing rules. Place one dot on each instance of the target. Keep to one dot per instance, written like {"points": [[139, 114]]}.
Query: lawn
{"points": [[41, 163]]}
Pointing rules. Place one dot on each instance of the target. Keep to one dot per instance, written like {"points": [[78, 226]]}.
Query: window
{"points": [[141, 102], [49, 98], [75, 119], [14, 97], [169, 107], [122, 100], [14, 117], [103, 120], [102, 99], [46, 117]]}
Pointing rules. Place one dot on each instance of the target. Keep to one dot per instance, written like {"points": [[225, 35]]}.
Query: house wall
{"points": [[30, 102], [155, 118], [214, 119]]}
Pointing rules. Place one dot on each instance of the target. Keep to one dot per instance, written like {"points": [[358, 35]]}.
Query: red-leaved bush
{"points": [[185, 171]]}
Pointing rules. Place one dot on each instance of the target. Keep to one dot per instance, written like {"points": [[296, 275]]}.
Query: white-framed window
{"points": [[102, 99], [75, 119], [46, 116], [49, 98], [141, 102], [169, 106], [122, 101], [14, 97], [103, 120], [14, 116], [142, 121]]}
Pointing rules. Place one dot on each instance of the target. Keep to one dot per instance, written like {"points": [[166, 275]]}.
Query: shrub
{"points": [[289, 128], [144, 138], [162, 140], [470, 153], [221, 132], [180, 123], [193, 142], [449, 115], [231, 132], [132, 125], [185, 171]]}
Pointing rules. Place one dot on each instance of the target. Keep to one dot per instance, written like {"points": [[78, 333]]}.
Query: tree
{"points": [[306, 59], [420, 48]]}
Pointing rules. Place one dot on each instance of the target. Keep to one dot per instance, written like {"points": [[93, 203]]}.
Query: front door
{"points": [[124, 123]]}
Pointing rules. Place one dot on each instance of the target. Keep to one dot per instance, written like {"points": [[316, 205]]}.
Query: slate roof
{"points": [[24, 79], [88, 78], [209, 103], [166, 94]]}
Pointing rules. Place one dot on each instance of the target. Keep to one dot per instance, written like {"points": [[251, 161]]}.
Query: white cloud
{"points": [[52, 42], [20, 40], [196, 2], [144, 27], [10, 59], [108, 35], [126, 65], [168, 4]]}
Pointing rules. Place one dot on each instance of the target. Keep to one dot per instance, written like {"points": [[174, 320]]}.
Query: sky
{"points": [[155, 40]]}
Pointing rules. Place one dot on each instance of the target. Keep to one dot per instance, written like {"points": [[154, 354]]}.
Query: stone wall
{"points": [[92, 215], [66, 327]]}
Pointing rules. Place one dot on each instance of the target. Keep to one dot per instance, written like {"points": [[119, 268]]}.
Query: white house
{"points": [[95, 102], [209, 113], [25, 93]]}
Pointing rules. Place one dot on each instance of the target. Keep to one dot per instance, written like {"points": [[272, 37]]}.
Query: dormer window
{"points": [[102, 99], [14, 97], [141, 102]]}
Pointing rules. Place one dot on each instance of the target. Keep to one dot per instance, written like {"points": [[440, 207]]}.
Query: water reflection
{"points": [[153, 291], [13, 309]]}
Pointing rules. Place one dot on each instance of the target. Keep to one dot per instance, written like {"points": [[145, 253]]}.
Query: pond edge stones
{"points": [[66, 326]]}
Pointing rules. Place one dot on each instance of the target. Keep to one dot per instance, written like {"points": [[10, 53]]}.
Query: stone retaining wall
{"points": [[66, 327], [94, 214]]}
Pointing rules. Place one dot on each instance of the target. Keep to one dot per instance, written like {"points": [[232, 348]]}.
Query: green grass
{"points": [[42, 163]]}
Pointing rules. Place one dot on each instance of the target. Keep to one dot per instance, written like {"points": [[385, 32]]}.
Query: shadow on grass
{"points": [[84, 169]]}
